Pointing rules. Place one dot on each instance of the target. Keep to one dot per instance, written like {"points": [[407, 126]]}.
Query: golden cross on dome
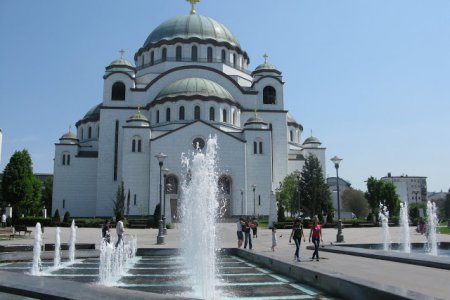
{"points": [[193, 2], [139, 110], [70, 128], [121, 53], [265, 58]]}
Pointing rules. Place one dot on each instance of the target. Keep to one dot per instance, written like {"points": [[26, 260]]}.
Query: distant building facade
{"points": [[411, 189], [332, 186]]}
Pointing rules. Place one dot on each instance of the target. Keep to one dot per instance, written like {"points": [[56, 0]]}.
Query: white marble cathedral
{"points": [[190, 80]]}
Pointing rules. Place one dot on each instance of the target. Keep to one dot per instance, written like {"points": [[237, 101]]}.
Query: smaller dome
{"points": [[138, 117], [312, 140], [68, 136], [255, 120], [266, 67], [120, 62], [194, 86]]}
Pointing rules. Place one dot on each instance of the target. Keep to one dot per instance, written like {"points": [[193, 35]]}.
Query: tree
{"points": [[19, 185], [119, 203], [354, 201], [447, 206], [288, 194], [380, 191], [314, 193], [47, 192]]}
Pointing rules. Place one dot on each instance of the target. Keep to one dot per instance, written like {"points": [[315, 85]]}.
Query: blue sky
{"points": [[371, 79]]}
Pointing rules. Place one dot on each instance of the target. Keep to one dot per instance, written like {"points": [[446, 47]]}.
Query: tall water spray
{"points": [[72, 240], [36, 266], [432, 222], [384, 217], [57, 258], [404, 223], [198, 216]]}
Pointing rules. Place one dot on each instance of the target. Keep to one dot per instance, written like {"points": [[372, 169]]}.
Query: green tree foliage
{"points": [[315, 196], [119, 203], [20, 187], [380, 191], [354, 200], [288, 194], [47, 192], [447, 206]]}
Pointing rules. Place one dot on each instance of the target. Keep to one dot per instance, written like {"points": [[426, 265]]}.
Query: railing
{"points": [[198, 60]]}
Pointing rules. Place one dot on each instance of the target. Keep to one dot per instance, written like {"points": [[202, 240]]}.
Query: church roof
{"points": [[192, 26], [121, 62], [68, 136], [265, 66], [312, 140], [195, 86]]}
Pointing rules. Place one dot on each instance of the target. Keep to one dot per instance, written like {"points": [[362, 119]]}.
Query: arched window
{"points": [[181, 113], [234, 118], [224, 115], [224, 185], [82, 133], [194, 54], [134, 200], [157, 116], [89, 132], [197, 113], [260, 148], [224, 56], [212, 113], [234, 59], [136, 144], [210, 54], [171, 185], [164, 54], [66, 159], [168, 115], [143, 59], [152, 58], [255, 148], [118, 91], [269, 95], [178, 53], [291, 135], [133, 145], [139, 144]]}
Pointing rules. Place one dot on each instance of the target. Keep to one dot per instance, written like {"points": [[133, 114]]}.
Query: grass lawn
{"points": [[444, 230]]}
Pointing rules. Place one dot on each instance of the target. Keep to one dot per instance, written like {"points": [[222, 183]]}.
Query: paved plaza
{"points": [[424, 280]]}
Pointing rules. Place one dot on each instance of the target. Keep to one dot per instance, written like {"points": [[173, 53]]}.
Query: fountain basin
{"points": [[415, 257]]}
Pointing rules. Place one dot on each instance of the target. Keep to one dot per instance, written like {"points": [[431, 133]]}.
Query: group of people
{"points": [[243, 227], [246, 227], [106, 235]]}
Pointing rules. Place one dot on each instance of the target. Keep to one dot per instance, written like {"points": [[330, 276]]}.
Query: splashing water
{"points": [[72, 240], [57, 259], [384, 217], [115, 262], [36, 266], [404, 223], [198, 214], [432, 222]]}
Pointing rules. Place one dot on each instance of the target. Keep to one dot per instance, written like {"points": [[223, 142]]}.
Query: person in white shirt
{"points": [[3, 220], [119, 230]]}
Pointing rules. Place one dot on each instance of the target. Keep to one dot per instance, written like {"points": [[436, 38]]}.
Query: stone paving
{"points": [[424, 280]]}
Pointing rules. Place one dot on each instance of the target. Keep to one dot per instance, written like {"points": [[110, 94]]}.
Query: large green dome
{"points": [[192, 26], [195, 87]]}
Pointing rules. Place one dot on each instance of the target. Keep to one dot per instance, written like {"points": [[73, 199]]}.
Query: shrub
{"points": [[66, 218], [56, 217]]}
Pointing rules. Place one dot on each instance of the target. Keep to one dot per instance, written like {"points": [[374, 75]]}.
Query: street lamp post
{"points": [[254, 199], [160, 239], [242, 204], [417, 205], [165, 172], [299, 208], [339, 237]]}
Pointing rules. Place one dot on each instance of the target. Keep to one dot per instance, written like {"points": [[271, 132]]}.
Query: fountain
{"points": [[57, 258], [198, 213], [72, 240], [36, 266], [384, 217], [432, 222], [404, 223]]}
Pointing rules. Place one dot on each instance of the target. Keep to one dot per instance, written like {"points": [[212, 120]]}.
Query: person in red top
{"points": [[316, 235]]}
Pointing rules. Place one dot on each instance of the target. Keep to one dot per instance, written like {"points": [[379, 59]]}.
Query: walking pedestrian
{"points": [[240, 235], [3, 220], [316, 235], [255, 228], [274, 238], [105, 231], [248, 236], [120, 231], [296, 235]]}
